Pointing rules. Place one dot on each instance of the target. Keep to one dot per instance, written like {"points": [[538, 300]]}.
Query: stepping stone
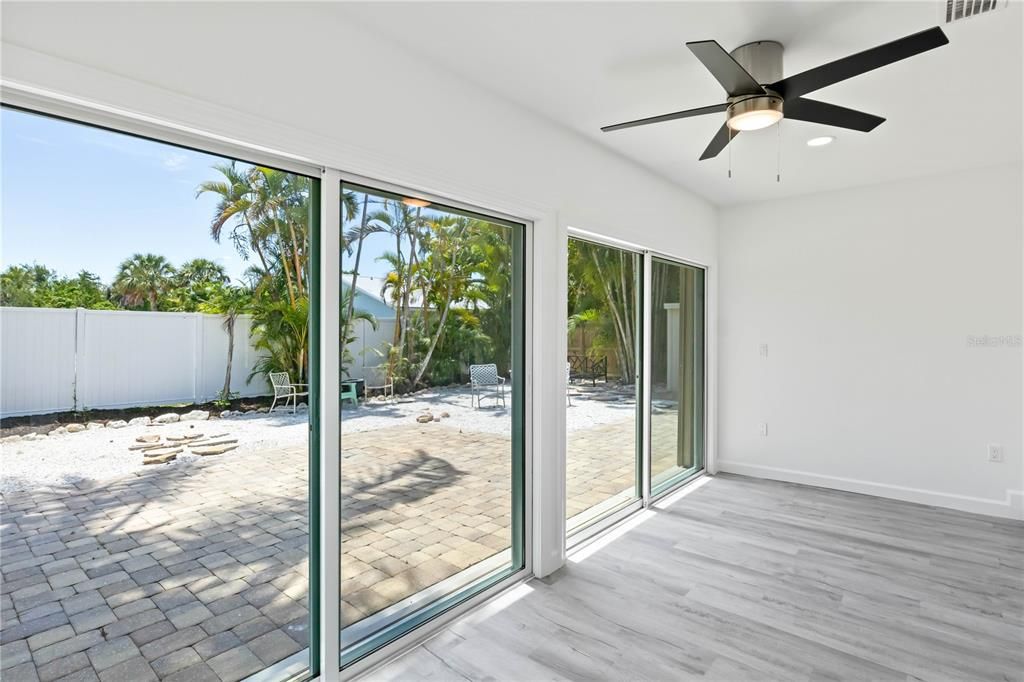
{"points": [[149, 446], [194, 436], [211, 443], [211, 438], [160, 456], [149, 438], [213, 450]]}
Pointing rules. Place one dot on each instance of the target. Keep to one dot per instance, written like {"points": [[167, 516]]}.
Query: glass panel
{"points": [[677, 373], [431, 415], [154, 495], [602, 419]]}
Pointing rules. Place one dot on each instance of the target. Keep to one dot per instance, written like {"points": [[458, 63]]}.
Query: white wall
{"points": [[55, 360], [331, 91], [867, 299]]}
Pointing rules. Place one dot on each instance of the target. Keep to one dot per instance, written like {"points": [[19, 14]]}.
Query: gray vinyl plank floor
{"points": [[747, 579]]}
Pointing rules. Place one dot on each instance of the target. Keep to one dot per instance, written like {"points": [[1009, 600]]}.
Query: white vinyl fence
{"points": [[55, 360]]}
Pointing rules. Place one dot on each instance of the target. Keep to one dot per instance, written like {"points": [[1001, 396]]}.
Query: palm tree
{"points": [[446, 275], [200, 271], [143, 277], [234, 194], [356, 235], [229, 301]]}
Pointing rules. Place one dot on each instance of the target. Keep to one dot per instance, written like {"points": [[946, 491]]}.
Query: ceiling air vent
{"points": [[957, 10]]}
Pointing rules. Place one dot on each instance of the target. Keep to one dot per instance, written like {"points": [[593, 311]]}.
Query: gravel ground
{"points": [[98, 454]]}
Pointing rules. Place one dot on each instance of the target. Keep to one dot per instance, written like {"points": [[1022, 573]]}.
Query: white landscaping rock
{"points": [[59, 431], [94, 425], [117, 424], [226, 414], [195, 416], [168, 418], [10, 439], [104, 455], [139, 421]]}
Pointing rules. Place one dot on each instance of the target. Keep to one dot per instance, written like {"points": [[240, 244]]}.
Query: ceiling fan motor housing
{"points": [[762, 59]]}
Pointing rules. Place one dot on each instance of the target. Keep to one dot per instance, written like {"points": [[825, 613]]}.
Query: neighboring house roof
{"points": [[370, 298], [373, 286], [370, 301]]}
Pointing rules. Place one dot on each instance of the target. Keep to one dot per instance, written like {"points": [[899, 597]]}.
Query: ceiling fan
{"points": [[759, 96]]}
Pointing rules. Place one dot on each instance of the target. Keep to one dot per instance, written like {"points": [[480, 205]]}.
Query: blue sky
{"points": [[77, 197]]}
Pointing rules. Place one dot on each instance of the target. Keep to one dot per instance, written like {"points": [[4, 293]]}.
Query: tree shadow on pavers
{"points": [[200, 534], [415, 478]]}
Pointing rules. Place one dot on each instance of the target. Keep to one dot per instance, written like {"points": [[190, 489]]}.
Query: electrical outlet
{"points": [[763, 350], [995, 452], [764, 429]]}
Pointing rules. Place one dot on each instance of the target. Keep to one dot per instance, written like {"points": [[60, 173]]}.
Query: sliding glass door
{"points": [[635, 381], [602, 370], [155, 492], [432, 449], [676, 406]]}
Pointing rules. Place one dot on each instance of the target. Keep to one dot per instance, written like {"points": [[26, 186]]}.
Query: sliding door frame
{"points": [[437, 616], [323, 375], [640, 454], [675, 483], [648, 496], [323, 653]]}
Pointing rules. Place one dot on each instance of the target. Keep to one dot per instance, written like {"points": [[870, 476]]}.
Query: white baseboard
{"points": [[1011, 507]]}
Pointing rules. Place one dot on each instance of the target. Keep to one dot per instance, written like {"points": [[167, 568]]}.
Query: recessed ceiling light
{"points": [[820, 141], [418, 203]]}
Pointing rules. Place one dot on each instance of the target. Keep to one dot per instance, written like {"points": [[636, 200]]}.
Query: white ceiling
{"points": [[584, 65]]}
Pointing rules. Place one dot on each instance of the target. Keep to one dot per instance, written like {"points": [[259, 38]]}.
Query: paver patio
{"points": [[201, 572]]}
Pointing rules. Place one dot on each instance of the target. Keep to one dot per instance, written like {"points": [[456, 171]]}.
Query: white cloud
{"points": [[175, 161]]}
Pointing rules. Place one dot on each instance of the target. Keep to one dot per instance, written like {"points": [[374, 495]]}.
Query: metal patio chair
{"points": [[379, 378], [484, 378], [284, 388]]}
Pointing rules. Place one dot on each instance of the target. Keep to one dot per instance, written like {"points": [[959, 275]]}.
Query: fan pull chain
{"points": [[730, 151], [778, 157]]}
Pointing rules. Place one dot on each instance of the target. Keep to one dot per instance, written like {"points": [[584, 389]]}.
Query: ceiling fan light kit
{"points": [[754, 113], [759, 95]]}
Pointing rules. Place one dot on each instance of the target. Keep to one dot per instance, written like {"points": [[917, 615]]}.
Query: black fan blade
{"points": [[831, 115], [716, 108], [733, 77], [862, 62], [719, 142]]}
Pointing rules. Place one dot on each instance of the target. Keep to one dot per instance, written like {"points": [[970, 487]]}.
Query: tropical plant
{"points": [[602, 294], [21, 284], [280, 332], [266, 212], [143, 278], [199, 271], [36, 286], [445, 275]]}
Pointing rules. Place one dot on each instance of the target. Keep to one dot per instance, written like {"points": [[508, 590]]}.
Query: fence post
{"points": [[197, 357], [77, 381]]}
